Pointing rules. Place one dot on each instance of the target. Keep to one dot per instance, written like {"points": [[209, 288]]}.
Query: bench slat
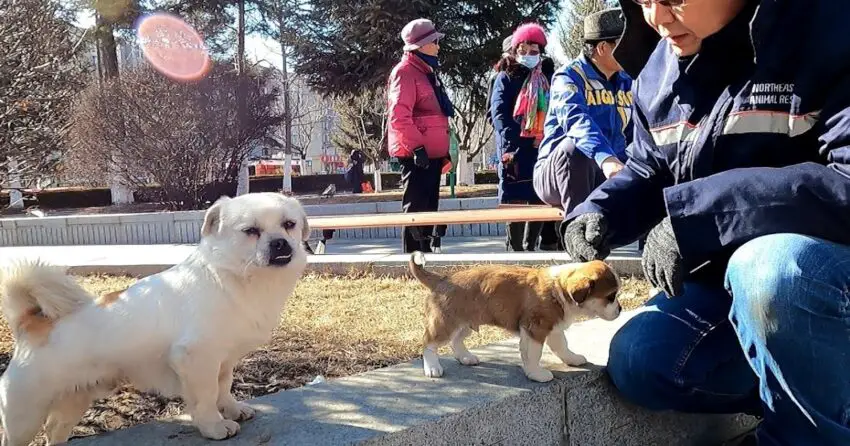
{"points": [[502, 215]]}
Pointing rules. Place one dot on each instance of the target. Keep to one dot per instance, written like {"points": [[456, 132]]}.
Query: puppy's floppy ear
{"points": [[577, 285], [212, 219]]}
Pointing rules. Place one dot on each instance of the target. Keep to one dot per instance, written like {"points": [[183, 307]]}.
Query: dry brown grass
{"points": [[333, 326]]}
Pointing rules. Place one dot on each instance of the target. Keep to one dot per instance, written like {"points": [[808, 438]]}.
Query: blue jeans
{"points": [[775, 343]]}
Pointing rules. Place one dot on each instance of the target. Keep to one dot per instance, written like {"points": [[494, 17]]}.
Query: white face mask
{"points": [[529, 61]]}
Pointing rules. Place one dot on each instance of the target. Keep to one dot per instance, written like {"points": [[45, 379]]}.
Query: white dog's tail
{"points": [[35, 289]]}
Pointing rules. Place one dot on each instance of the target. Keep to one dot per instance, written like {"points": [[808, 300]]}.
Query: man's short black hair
{"points": [[590, 47]]}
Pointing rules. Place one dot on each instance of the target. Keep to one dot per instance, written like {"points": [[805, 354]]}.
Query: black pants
{"points": [[421, 194], [550, 239], [522, 235], [566, 178]]}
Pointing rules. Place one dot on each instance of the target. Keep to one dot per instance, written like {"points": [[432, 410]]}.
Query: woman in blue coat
{"points": [[517, 108]]}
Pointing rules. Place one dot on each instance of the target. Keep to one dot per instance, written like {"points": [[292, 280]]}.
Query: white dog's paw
{"points": [[433, 371], [468, 359], [238, 412], [575, 360], [540, 375], [220, 430]]}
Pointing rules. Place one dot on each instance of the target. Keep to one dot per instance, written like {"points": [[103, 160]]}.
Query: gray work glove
{"points": [[662, 262], [585, 238]]}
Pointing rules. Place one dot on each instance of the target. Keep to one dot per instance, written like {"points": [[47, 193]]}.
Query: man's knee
{"points": [[772, 276], [633, 368], [546, 184]]}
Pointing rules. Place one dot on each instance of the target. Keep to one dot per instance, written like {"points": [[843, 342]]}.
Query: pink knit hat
{"points": [[529, 33]]}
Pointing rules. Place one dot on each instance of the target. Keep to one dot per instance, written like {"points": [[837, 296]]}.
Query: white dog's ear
{"points": [[212, 219], [305, 227]]}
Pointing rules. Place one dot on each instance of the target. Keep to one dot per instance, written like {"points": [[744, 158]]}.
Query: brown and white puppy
{"points": [[538, 304]]}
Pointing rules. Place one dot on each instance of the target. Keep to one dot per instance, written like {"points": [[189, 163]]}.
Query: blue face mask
{"points": [[529, 61]]}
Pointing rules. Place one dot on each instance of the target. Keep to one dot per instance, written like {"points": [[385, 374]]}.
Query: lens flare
{"points": [[173, 47]]}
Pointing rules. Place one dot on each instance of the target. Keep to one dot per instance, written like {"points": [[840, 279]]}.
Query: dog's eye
{"points": [[288, 225], [253, 232]]}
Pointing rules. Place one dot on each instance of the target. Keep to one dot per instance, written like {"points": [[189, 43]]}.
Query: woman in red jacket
{"points": [[419, 110]]}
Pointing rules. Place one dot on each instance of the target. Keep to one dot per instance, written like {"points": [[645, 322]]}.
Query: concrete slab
{"points": [[493, 403]]}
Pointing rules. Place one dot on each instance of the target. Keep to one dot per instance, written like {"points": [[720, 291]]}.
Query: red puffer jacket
{"points": [[415, 117]]}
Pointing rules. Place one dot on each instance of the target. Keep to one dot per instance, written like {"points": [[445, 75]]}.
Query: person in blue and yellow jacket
{"points": [[589, 118], [740, 175]]}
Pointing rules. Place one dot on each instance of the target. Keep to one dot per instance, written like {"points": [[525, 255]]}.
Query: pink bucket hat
{"points": [[419, 33]]}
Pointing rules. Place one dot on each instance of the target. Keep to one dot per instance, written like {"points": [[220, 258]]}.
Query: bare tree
{"points": [[362, 124], [309, 110], [572, 24], [39, 77], [186, 138], [470, 123], [302, 115]]}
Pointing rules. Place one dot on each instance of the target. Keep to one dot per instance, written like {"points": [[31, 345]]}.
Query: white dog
{"points": [[177, 333]]}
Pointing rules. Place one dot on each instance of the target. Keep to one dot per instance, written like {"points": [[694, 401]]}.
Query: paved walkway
{"points": [[171, 254]]}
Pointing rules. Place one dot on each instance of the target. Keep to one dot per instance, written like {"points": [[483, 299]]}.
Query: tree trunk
{"points": [[107, 47], [107, 50], [16, 198], [287, 111], [378, 183], [240, 38], [242, 179]]}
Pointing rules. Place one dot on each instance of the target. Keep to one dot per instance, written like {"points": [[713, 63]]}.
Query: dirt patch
{"points": [[332, 326]]}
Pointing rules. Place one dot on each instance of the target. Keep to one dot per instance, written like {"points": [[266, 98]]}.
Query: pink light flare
{"points": [[173, 47]]}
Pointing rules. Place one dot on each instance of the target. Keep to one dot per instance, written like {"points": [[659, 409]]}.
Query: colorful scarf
{"points": [[532, 104]]}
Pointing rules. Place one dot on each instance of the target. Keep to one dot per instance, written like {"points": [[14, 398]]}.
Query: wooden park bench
{"points": [[502, 214]]}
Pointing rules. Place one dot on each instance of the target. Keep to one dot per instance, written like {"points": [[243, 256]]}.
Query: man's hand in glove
{"points": [[420, 158], [585, 238], [662, 262]]}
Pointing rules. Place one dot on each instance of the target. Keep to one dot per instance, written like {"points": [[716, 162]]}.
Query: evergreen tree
{"points": [[348, 47]]}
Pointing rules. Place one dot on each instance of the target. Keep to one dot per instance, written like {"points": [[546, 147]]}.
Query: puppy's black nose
{"points": [[280, 247]]}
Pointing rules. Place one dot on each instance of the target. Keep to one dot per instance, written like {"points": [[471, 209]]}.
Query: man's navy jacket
{"points": [[748, 138]]}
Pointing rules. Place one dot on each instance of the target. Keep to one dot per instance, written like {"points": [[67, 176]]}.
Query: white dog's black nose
{"points": [[280, 252]]}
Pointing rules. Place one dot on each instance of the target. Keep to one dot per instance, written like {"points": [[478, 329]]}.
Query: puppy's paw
{"points": [[540, 375], [575, 360], [433, 371], [238, 412], [468, 359], [220, 430]]}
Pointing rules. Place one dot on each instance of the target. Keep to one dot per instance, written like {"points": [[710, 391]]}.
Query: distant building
{"points": [[313, 124]]}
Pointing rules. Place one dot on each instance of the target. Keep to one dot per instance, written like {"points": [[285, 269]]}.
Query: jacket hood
{"points": [[638, 41]]}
